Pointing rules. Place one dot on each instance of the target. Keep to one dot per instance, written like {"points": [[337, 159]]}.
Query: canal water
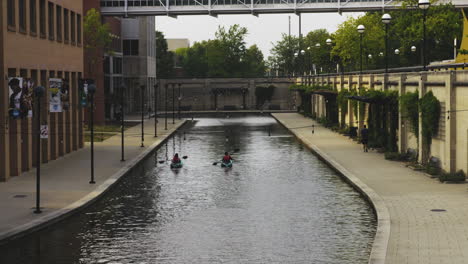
{"points": [[278, 204]]}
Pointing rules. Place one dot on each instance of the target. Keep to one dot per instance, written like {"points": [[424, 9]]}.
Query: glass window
{"points": [[51, 21], [22, 15], [107, 65], [42, 18], [58, 15], [78, 28], [73, 35], [66, 26], [32, 16], [117, 65], [11, 13]]}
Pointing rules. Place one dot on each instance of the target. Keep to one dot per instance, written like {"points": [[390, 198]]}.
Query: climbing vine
{"points": [[429, 108], [409, 108], [342, 101]]}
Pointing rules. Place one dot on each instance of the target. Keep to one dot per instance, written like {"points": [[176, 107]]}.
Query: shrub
{"points": [[459, 176], [396, 156]]}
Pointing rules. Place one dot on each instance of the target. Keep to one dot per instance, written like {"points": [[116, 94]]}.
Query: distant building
{"points": [[173, 45], [41, 43], [139, 62]]}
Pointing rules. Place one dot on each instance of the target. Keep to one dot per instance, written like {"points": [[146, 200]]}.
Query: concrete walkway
{"points": [[416, 234], [65, 182]]}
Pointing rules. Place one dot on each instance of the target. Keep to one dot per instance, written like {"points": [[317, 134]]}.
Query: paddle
{"points": [[234, 151], [162, 161]]}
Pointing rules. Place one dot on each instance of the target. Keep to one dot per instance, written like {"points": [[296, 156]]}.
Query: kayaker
{"points": [[227, 158], [176, 158]]}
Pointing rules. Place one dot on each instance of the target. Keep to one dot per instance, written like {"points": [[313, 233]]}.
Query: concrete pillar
{"points": [[371, 82], [402, 125], [422, 91], [385, 81], [4, 130], [450, 123], [15, 147]]}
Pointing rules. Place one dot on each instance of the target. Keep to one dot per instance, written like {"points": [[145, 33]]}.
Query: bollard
{"points": [[313, 129]]}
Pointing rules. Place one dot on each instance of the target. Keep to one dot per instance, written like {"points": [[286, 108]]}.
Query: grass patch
{"points": [[102, 133]]}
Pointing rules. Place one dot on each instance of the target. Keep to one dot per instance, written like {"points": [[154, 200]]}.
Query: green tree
{"points": [[283, 52], [253, 62], [97, 38], [164, 58]]}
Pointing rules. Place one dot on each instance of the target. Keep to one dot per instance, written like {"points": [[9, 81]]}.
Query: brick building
{"points": [[39, 40]]}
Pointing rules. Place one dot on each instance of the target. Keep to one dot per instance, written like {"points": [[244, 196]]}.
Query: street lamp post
{"points": [[91, 91], [295, 64], [142, 87], [173, 103], [369, 60], [179, 98], [329, 43], [156, 110], [413, 50], [122, 123], [361, 30], [386, 19], [38, 92], [302, 62], [424, 5], [165, 115]]}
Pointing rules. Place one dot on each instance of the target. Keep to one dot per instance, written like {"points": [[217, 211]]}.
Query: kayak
{"points": [[226, 164], [176, 165]]}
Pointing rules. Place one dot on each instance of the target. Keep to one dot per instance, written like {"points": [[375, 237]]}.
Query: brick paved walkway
{"points": [[417, 235]]}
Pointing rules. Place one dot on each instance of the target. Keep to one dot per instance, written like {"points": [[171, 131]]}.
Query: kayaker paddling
{"points": [[227, 160], [176, 158]]}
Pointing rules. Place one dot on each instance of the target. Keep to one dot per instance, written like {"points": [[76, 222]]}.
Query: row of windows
{"points": [[130, 47], [62, 24]]}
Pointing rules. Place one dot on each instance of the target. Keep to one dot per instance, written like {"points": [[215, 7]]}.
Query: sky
{"points": [[262, 30]]}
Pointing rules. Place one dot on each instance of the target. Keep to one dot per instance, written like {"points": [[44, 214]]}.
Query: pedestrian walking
{"points": [[365, 138]]}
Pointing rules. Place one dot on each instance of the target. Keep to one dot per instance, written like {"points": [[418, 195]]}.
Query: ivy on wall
{"points": [[409, 107], [429, 107]]}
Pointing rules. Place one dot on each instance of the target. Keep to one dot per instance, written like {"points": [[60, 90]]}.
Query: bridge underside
{"points": [[224, 7]]}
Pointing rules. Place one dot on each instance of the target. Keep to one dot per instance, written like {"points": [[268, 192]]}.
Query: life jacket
{"points": [[227, 158]]}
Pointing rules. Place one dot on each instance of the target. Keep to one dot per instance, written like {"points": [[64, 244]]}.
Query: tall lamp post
{"points": [[361, 30], [38, 92], [413, 50], [156, 110], [142, 87], [91, 91], [173, 103], [317, 45], [302, 62], [424, 5], [386, 19], [179, 98], [329, 43], [165, 99], [295, 64], [122, 123]]}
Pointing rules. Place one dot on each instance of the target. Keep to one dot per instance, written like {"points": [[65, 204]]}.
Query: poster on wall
{"points": [[55, 97], [64, 95], [15, 89], [83, 90], [44, 131], [20, 103]]}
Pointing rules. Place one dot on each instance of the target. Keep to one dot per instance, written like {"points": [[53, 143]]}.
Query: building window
{"points": [[72, 30], [22, 15], [66, 26], [130, 47], [58, 15], [106, 65], [51, 21], [32, 17], [11, 14], [78, 30], [42, 18], [116, 65]]}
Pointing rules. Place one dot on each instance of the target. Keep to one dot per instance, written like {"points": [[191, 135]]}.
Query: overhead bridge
{"points": [[254, 7]]}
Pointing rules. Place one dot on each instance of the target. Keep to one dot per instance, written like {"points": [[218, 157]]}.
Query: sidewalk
{"points": [[65, 182], [416, 234]]}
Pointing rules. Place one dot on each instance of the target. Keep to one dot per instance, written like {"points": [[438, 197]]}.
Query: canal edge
{"points": [[89, 199], [382, 234]]}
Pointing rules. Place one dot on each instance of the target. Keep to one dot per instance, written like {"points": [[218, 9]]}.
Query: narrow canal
{"points": [[278, 204]]}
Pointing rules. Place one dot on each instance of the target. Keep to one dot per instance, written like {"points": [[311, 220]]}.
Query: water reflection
{"points": [[278, 204]]}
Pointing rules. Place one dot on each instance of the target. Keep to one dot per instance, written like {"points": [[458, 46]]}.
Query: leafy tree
{"points": [[283, 52], [225, 56], [164, 58], [97, 38]]}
